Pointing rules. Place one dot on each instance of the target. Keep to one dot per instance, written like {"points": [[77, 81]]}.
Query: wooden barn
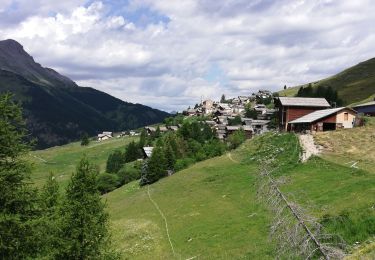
{"points": [[325, 120], [367, 109], [292, 108]]}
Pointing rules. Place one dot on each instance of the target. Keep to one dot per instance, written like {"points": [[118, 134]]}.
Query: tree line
{"points": [[326, 92], [46, 223]]}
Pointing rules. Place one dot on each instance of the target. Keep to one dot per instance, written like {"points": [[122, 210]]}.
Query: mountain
{"points": [[353, 84], [56, 109]]}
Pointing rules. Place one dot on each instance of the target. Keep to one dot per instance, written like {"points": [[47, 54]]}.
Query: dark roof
{"points": [[303, 102], [371, 103]]}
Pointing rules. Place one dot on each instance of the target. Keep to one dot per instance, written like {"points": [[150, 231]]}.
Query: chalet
{"points": [[102, 137], [366, 108], [150, 129], [173, 128], [292, 108], [243, 99], [163, 129], [324, 120]]}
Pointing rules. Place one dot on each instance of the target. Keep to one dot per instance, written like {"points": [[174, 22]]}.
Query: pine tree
{"points": [[132, 152], [115, 161], [50, 200], [18, 200], [83, 224], [222, 99], [85, 140], [143, 138], [170, 157], [156, 166]]}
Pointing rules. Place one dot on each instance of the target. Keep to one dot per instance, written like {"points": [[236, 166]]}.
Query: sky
{"points": [[170, 54]]}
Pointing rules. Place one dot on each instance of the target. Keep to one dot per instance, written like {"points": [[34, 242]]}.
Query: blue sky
{"points": [[168, 54]]}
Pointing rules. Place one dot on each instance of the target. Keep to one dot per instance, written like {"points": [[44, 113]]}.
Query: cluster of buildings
{"points": [[298, 114]]}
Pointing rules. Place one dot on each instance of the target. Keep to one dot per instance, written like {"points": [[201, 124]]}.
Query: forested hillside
{"points": [[56, 109]]}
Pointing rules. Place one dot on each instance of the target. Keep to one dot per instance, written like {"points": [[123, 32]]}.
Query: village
{"points": [[264, 111]]}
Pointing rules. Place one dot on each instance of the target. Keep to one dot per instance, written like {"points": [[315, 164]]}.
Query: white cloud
{"points": [[256, 44]]}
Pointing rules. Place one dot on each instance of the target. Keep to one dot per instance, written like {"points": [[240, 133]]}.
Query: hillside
{"points": [[353, 84], [212, 208], [56, 109], [62, 160]]}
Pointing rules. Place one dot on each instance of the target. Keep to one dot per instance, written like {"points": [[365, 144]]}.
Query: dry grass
{"points": [[350, 145]]}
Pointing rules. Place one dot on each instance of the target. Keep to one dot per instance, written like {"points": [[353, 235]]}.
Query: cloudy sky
{"points": [[170, 53]]}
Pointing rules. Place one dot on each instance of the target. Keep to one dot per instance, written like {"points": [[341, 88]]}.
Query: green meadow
{"points": [[62, 160], [211, 211]]}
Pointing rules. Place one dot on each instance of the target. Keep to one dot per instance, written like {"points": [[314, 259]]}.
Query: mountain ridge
{"points": [[56, 109]]}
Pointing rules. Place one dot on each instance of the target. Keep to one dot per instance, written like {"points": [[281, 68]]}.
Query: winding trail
{"points": [[163, 217], [231, 158]]}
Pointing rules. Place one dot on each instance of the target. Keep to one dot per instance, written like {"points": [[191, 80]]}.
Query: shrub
{"points": [[115, 161], [183, 163], [128, 174], [108, 182], [236, 139]]}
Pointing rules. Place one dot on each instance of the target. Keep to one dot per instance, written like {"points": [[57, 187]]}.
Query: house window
{"points": [[346, 116]]}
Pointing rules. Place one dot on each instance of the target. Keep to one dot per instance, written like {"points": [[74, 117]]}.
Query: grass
{"points": [[62, 160], [353, 85], [211, 210]]}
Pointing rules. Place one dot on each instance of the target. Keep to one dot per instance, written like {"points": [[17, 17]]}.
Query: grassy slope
{"points": [[211, 211], [211, 207], [62, 160], [353, 85]]}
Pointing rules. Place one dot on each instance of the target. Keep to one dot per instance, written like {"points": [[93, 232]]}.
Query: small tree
{"points": [[85, 139], [156, 167], [133, 152], [250, 112], [50, 202], [143, 138], [115, 161], [235, 121], [237, 138], [170, 157], [222, 99], [84, 221]]}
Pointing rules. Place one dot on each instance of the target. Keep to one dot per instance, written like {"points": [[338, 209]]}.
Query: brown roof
{"points": [[304, 102]]}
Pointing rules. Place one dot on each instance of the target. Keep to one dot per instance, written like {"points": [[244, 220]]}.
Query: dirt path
{"points": [[231, 158], [308, 146]]}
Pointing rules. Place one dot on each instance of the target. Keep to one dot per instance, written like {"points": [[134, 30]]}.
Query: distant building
{"points": [[324, 120], [103, 136], [292, 108], [366, 108]]}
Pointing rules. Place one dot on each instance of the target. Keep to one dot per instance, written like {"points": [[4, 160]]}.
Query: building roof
{"points": [[304, 102], [371, 103], [148, 150], [316, 115]]}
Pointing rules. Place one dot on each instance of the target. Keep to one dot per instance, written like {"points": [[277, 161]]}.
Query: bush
{"points": [[85, 140], [128, 174], [115, 161], [108, 182], [183, 163], [236, 139]]}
